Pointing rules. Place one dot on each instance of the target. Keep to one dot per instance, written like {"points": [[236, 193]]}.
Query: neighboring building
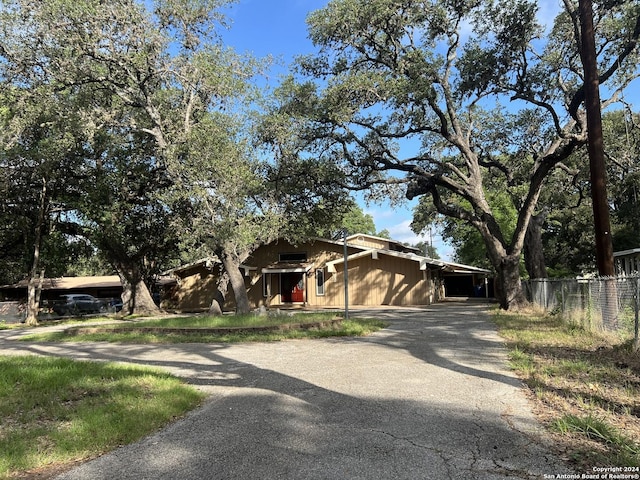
{"points": [[379, 271], [627, 262], [13, 297], [100, 287]]}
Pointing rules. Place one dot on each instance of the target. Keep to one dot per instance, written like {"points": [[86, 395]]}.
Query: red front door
{"points": [[292, 287]]}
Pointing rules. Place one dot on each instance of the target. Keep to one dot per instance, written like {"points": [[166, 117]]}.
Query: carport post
{"points": [[346, 277]]}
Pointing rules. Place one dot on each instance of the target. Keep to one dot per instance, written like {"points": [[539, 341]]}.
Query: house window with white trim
{"points": [[265, 285], [320, 282]]}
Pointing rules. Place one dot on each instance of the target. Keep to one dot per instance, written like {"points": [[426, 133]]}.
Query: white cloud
{"points": [[397, 221], [380, 215], [402, 232]]}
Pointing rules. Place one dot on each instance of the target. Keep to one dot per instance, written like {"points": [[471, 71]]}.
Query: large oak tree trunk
{"points": [[33, 295], [34, 288], [220, 295], [533, 253], [232, 266], [217, 304], [136, 298], [508, 284]]}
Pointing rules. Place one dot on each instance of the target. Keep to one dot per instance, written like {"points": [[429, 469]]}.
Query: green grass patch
{"points": [[521, 361], [540, 329], [586, 384], [56, 411], [624, 451], [230, 321], [589, 426], [94, 319], [200, 329]]}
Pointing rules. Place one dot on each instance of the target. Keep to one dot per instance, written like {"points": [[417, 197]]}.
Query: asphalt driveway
{"points": [[430, 397]]}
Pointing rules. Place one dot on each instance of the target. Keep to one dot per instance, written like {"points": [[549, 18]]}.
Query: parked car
{"points": [[77, 303], [115, 304]]}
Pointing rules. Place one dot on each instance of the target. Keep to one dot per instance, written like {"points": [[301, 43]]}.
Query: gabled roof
{"points": [[394, 245], [407, 253], [425, 262], [206, 262], [447, 267], [374, 252]]}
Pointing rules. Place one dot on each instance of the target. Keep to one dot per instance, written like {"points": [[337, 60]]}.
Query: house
{"points": [[312, 274], [627, 262]]}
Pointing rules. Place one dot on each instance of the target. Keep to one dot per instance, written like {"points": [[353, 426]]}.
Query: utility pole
{"points": [[602, 224], [346, 276]]}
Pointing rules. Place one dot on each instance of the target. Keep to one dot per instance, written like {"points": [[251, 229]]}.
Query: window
{"points": [[320, 282], [265, 285], [293, 257]]}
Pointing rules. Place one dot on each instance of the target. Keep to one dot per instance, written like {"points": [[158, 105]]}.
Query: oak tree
{"points": [[471, 93]]}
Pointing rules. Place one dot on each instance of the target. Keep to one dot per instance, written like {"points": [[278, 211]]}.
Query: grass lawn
{"points": [[58, 411], [585, 385], [210, 329]]}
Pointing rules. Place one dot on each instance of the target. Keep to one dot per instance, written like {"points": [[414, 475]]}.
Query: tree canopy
{"points": [[565, 211], [492, 105], [130, 128], [145, 118]]}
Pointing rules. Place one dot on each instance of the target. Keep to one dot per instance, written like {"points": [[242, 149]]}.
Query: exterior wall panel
{"points": [[369, 242], [385, 280]]}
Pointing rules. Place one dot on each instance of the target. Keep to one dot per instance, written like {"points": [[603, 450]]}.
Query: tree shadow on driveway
{"points": [[414, 401], [455, 336]]}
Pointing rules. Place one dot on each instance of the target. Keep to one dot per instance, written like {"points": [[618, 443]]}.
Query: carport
{"points": [[467, 281]]}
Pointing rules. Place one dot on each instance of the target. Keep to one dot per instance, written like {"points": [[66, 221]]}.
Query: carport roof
{"points": [[450, 267], [67, 283], [625, 253]]}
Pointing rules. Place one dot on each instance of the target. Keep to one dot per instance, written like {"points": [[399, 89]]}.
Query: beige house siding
{"points": [[194, 291], [386, 280], [369, 242], [317, 254]]}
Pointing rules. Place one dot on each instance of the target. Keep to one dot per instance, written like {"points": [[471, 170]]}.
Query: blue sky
{"points": [[271, 27]]}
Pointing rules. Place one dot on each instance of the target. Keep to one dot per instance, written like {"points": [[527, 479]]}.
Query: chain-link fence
{"points": [[610, 304]]}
